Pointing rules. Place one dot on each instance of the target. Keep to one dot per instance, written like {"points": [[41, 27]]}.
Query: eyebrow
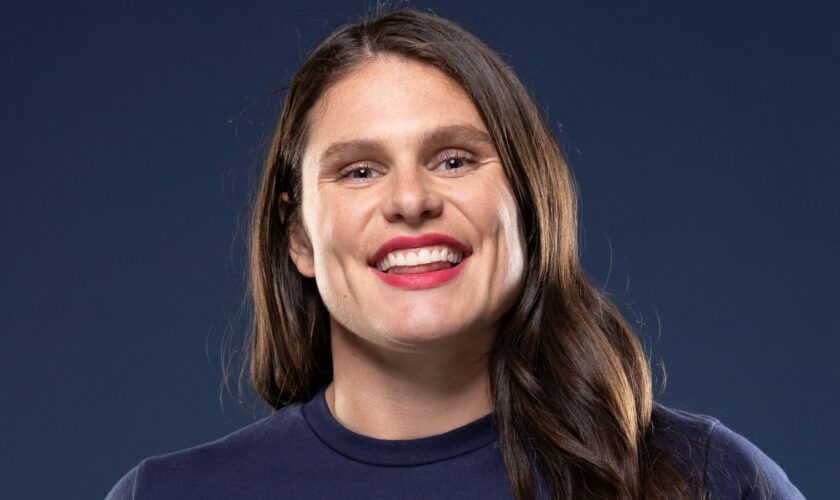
{"points": [[458, 133]]}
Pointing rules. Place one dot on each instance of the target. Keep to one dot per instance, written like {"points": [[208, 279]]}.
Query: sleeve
{"points": [[124, 489], [737, 469]]}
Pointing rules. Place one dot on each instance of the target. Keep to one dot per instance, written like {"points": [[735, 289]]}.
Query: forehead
{"points": [[389, 98]]}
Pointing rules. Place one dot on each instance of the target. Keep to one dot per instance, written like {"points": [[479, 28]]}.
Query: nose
{"points": [[412, 196]]}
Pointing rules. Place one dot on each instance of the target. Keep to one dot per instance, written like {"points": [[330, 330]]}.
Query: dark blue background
{"points": [[704, 137]]}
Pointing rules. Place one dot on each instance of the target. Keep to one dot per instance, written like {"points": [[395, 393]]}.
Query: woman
{"points": [[422, 322]]}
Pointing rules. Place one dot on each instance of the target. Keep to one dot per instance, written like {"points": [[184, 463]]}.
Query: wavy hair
{"points": [[571, 386]]}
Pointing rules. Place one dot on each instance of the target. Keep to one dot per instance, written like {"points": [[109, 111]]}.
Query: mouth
{"points": [[423, 261], [420, 260], [418, 254], [421, 276]]}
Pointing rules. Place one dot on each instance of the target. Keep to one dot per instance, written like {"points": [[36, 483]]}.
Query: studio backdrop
{"points": [[704, 138]]}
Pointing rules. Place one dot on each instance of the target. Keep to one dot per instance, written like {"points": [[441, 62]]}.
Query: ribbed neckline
{"points": [[397, 453]]}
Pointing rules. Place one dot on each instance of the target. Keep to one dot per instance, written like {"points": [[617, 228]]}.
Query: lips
{"points": [[421, 280], [423, 240]]}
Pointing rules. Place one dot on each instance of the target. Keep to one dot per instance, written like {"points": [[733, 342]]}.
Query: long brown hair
{"points": [[570, 383]]}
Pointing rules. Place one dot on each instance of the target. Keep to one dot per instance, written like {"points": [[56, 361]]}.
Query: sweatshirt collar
{"points": [[397, 453]]}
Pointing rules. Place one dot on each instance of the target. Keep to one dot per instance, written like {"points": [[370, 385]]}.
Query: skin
{"points": [[407, 363]]}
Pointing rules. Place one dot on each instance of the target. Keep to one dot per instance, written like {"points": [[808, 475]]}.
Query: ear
{"points": [[300, 249]]}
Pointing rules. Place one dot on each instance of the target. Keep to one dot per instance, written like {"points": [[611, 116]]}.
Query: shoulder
{"points": [[198, 471], [729, 465]]}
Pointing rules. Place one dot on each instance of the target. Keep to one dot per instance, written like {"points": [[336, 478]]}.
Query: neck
{"points": [[407, 394]]}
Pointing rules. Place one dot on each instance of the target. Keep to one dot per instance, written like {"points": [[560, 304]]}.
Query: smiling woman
{"points": [[426, 180], [421, 320]]}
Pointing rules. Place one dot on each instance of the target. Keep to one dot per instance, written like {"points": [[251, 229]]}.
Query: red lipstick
{"points": [[422, 240], [415, 281]]}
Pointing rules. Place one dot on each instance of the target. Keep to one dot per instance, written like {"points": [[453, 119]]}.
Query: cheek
{"points": [[497, 214], [501, 216], [330, 240], [331, 248], [336, 224], [514, 236]]}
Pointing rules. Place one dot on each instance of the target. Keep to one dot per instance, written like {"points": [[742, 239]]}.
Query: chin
{"points": [[424, 334]]}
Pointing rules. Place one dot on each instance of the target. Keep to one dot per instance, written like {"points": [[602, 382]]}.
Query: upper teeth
{"points": [[417, 256]]}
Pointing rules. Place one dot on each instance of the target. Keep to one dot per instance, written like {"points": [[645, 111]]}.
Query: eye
{"points": [[359, 172], [454, 161]]}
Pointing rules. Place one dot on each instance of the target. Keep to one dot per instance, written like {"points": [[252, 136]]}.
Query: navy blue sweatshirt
{"points": [[302, 452]]}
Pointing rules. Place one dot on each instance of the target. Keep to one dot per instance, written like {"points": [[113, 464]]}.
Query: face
{"points": [[398, 168]]}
